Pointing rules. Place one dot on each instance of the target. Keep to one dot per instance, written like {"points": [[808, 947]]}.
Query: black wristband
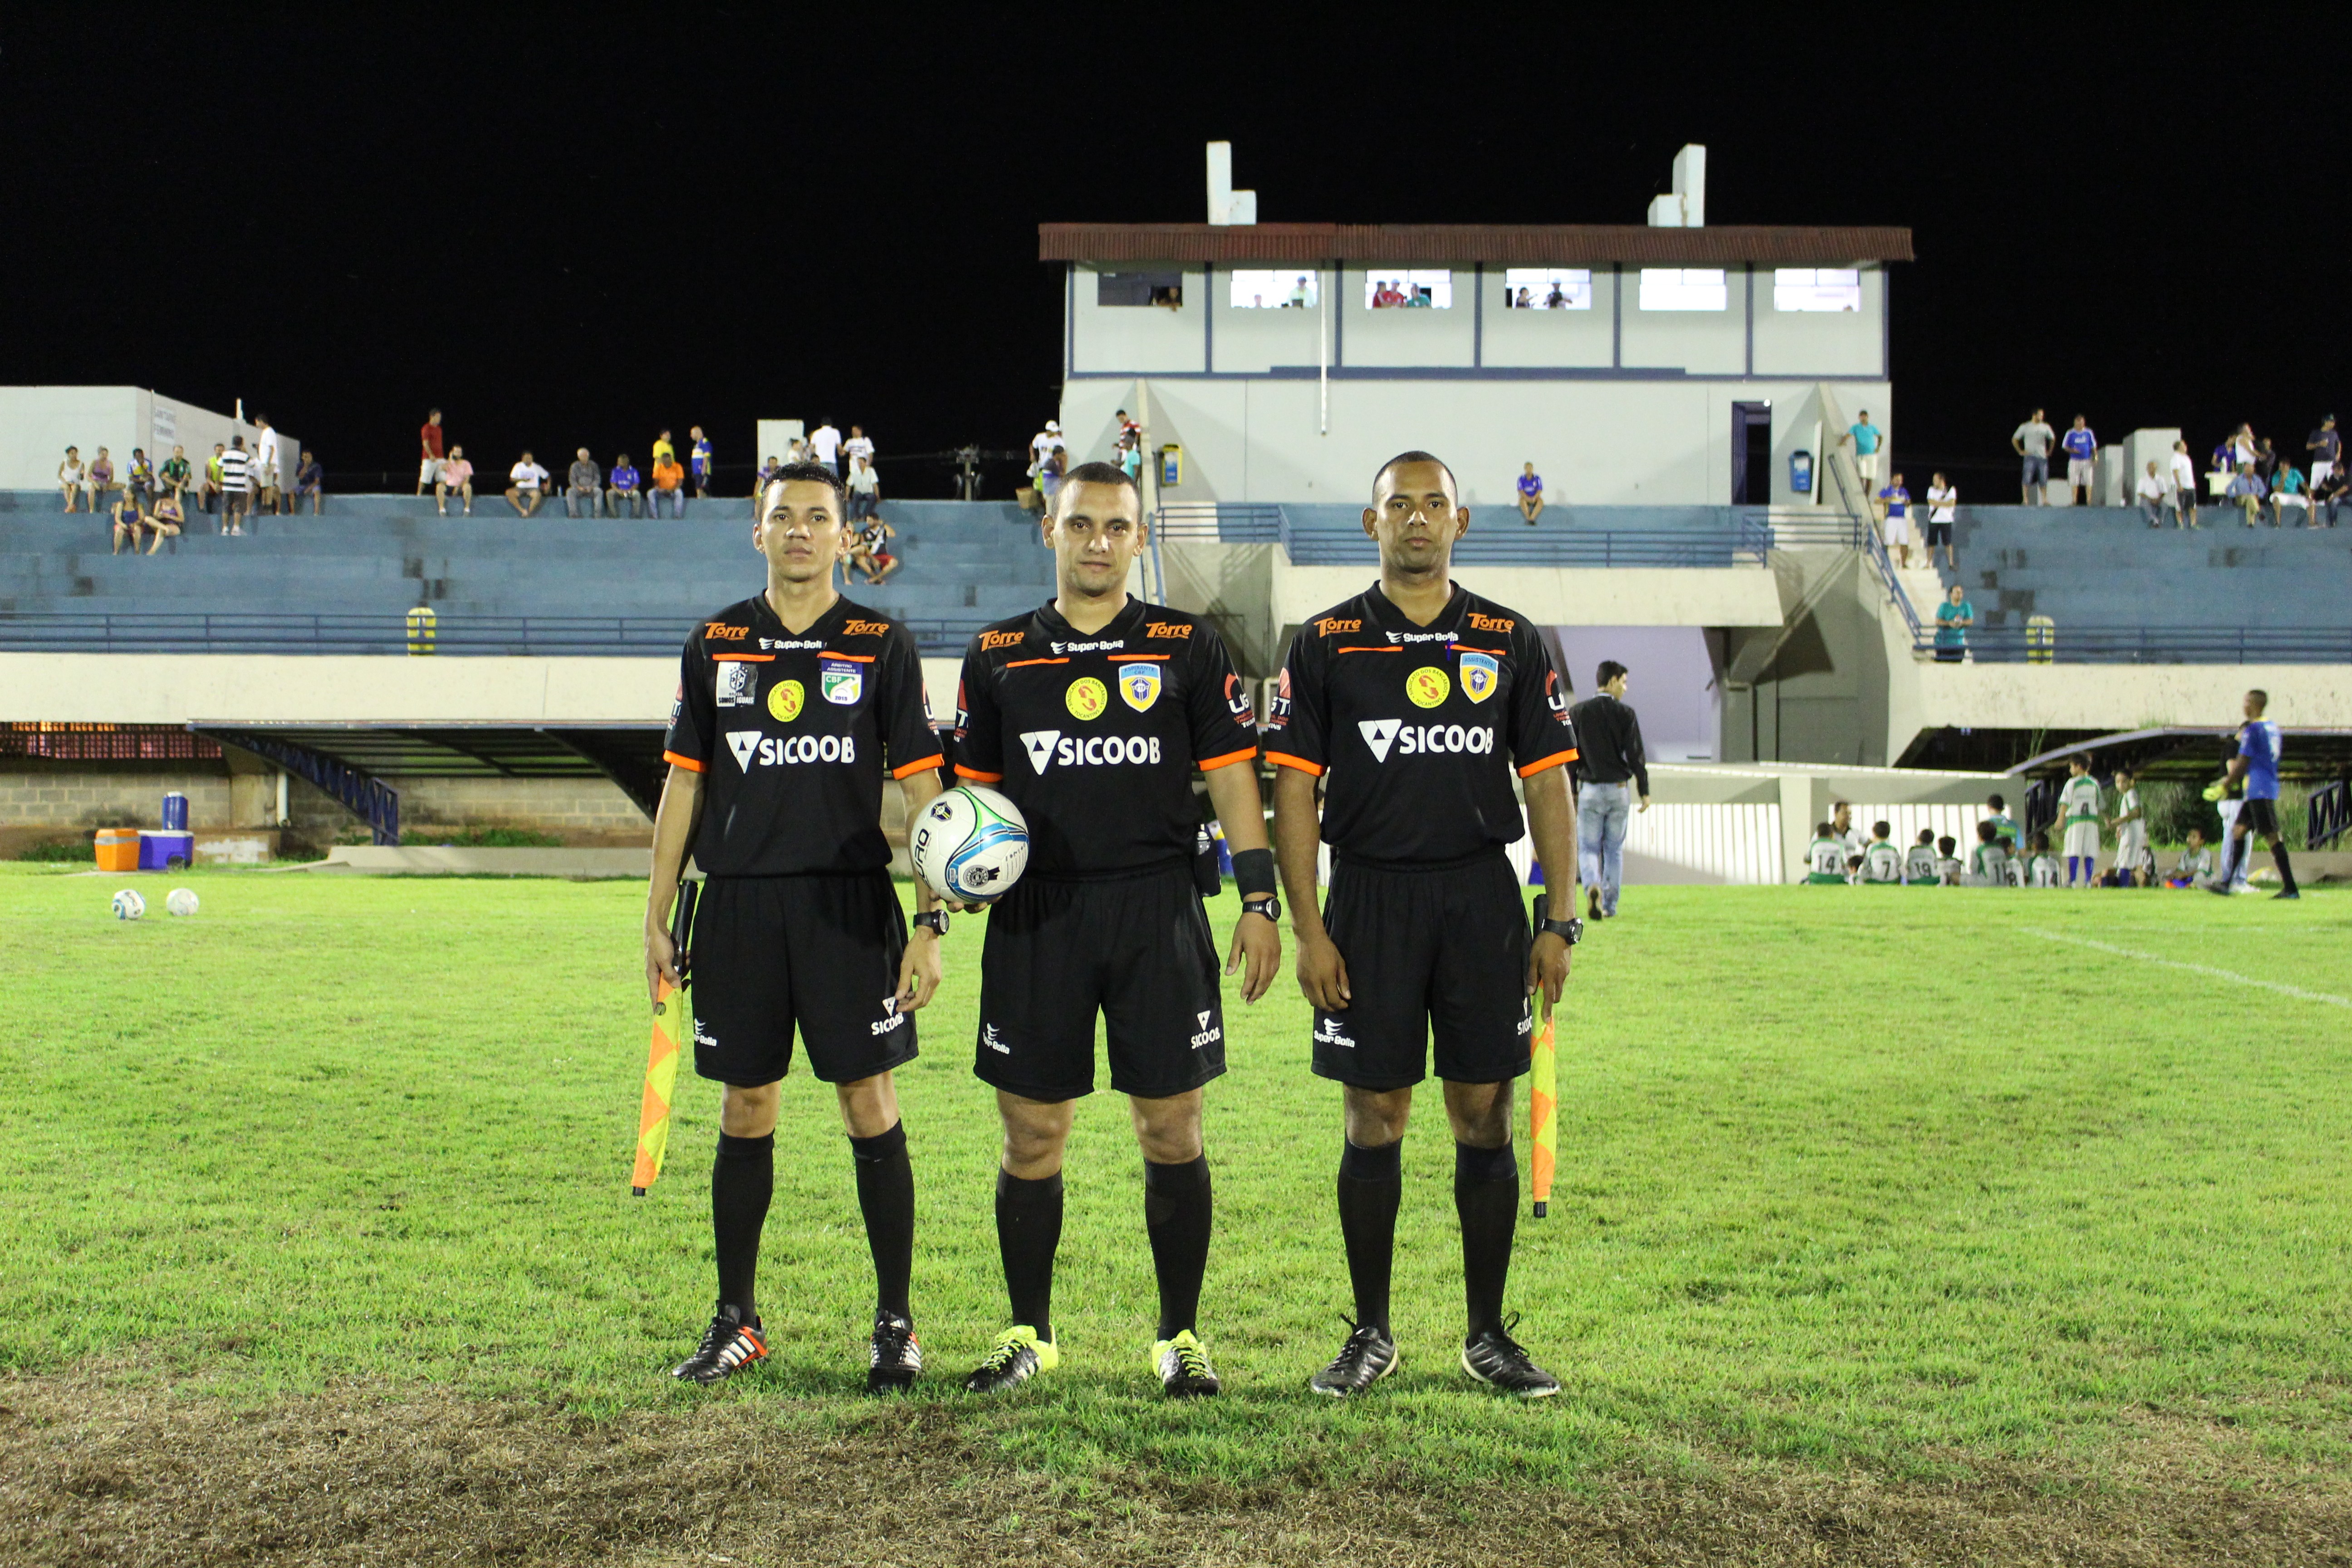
{"points": [[1254, 872]]}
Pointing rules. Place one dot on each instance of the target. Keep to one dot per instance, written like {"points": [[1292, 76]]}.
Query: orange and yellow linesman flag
{"points": [[1543, 1115], [670, 1030]]}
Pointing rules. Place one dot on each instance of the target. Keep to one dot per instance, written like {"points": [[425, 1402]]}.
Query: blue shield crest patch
{"points": [[1140, 684], [1481, 676]]}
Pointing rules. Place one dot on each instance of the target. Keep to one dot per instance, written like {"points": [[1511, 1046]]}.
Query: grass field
{"points": [[1889, 1222]]}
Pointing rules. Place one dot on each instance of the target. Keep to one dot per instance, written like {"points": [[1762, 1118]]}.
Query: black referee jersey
{"points": [[1095, 736], [1418, 727], [792, 735]]}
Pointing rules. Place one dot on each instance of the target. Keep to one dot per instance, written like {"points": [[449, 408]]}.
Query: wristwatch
{"points": [[1569, 930], [933, 921], [1265, 904]]}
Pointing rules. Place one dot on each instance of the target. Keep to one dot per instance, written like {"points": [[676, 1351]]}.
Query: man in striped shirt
{"points": [[236, 486]]}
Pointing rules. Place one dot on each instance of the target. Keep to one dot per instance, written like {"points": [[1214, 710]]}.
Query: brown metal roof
{"points": [[1531, 244]]}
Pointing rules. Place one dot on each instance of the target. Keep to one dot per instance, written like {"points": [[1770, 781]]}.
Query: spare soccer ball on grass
{"points": [[181, 900], [128, 905], [970, 844]]}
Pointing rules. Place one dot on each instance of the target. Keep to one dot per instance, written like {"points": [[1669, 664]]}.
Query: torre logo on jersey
{"points": [[1383, 735], [752, 749], [1046, 747]]}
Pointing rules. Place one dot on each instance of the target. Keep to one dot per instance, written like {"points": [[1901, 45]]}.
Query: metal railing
{"points": [[2154, 645], [103, 631], [1745, 539], [1864, 522]]}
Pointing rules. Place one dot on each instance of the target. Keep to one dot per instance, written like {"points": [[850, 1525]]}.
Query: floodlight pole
{"points": [[1323, 356]]}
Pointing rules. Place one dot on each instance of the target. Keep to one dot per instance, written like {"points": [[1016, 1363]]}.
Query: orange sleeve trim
{"points": [[688, 764], [1018, 663], [1209, 764], [1363, 649], [1313, 770], [1490, 652], [1555, 760], [743, 659], [1138, 658], [974, 774], [918, 765], [855, 658]]}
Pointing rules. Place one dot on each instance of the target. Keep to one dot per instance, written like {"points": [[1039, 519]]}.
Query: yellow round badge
{"points": [[785, 700], [1088, 698], [1428, 686]]}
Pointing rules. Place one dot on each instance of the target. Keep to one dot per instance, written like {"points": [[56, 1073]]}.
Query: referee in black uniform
{"points": [[1093, 714], [791, 707], [1412, 704]]}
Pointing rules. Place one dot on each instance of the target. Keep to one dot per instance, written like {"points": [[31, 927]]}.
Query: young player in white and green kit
{"points": [[2041, 871], [2078, 808], [2136, 867], [1919, 863], [1825, 856], [1882, 863]]}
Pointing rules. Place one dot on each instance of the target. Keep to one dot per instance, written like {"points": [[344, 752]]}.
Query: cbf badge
{"points": [[1140, 684], [1427, 685], [842, 681], [786, 699], [1480, 675], [736, 681], [1086, 698]]}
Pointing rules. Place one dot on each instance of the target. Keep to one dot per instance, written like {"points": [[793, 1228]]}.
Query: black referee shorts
{"points": [[2260, 817], [818, 952], [1135, 948], [1439, 951]]}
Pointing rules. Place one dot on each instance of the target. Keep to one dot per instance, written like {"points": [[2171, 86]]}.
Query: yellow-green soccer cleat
{"points": [[1017, 1356], [1183, 1367]]}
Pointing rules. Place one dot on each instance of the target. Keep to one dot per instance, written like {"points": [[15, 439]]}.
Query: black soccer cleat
{"points": [[895, 1358], [1368, 1356], [1183, 1367], [1502, 1363], [2286, 893], [1017, 1356], [728, 1345]]}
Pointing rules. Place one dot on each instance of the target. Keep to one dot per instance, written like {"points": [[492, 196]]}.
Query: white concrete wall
{"points": [[1600, 443], [1584, 340], [175, 689], [1811, 343], [37, 423], [1136, 337], [1705, 342]]}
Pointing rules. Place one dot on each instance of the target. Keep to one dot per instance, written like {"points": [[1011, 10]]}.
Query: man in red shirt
{"points": [[430, 438]]}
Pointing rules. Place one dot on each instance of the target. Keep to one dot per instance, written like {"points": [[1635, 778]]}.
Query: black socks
{"points": [[1028, 1231], [742, 1182], [886, 1196], [1371, 1182], [1486, 1197], [1176, 1209], [2278, 859]]}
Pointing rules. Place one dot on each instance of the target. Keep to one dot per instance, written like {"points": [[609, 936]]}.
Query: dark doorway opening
{"points": [[1751, 454]]}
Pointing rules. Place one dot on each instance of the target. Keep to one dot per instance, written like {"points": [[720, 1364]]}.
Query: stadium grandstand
{"points": [[1683, 397]]}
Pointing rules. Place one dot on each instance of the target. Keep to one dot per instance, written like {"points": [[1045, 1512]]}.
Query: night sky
{"points": [[568, 226]]}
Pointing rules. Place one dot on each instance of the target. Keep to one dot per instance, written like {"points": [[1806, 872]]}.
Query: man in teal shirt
{"points": [[1865, 437], [1954, 616]]}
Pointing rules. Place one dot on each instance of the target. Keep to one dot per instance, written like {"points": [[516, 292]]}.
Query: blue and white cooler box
{"points": [[165, 850]]}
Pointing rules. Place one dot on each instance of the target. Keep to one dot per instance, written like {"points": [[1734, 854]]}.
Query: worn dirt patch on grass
{"points": [[120, 1474]]}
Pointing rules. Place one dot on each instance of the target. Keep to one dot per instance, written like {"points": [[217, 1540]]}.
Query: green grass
{"points": [[1847, 1176]]}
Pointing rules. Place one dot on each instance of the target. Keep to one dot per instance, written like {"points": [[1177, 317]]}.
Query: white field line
{"points": [[2296, 992]]}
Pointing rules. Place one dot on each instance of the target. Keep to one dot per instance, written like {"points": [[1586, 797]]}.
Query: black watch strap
{"points": [[934, 921], [1265, 904], [1569, 930]]}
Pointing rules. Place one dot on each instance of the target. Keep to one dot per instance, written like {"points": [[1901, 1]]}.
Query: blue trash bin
{"points": [[1801, 472]]}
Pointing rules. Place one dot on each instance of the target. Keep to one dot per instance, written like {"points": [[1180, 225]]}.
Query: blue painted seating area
{"points": [[2119, 590], [345, 581]]}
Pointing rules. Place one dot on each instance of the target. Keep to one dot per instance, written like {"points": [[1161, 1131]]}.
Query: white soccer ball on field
{"points": [[970, 844], [181, 900], [128, 905]]}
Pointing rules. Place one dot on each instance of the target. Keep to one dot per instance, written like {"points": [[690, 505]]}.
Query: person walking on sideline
{"points": [[2033, 441], [2257, 764], [1609, 758]]}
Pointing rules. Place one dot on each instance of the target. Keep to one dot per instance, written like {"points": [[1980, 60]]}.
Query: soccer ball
{"points": [[181, 900], [128, 905], [971, 845]]}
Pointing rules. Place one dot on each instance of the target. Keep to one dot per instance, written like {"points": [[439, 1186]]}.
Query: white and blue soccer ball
{"points": [[181, 901], [128, 905], [970, 844]]}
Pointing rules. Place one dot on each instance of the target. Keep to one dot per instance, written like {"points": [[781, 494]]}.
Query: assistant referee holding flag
{"points": [[1092, 714], [791, 706], [1412, 704]]}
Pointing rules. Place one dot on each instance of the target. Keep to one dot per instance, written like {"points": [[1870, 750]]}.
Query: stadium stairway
{"points": [[965, 563], [2104, 567]]}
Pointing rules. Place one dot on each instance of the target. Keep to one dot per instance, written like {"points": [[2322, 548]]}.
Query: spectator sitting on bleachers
{"points": [[2195, 868], [870, 551], [2247, 489], [128, 522], [526, 485], [2286, 491], [670, 480], [1531, 494], [2150, 493], [102, 479], [2329, 492], [139, 477], [310, 479], [627, 492], [454, 476], [166, 521], [74, 478], [209, 498], [1948, 861], [864, 487], [583, 487], [766, 468], [174, 475]]}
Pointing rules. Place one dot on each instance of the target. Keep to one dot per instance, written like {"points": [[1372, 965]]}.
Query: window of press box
{"points": [[1166, 289], [1408, 290], [1683, 289], [1548, 288], [1290, 290], [1817, 288]]}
